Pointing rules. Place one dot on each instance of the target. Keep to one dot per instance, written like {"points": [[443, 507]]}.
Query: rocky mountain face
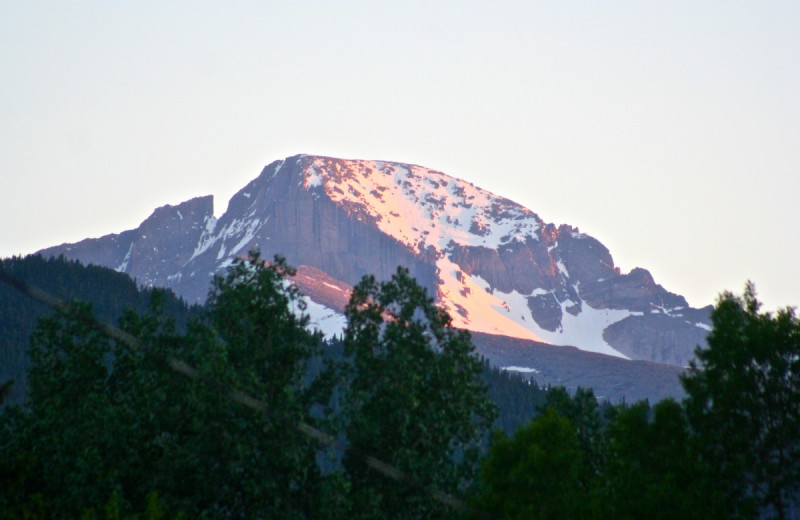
{"points": [[494, 265]]}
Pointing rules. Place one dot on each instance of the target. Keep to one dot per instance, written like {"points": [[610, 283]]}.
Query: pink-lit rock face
{"points": [[493, 264]]}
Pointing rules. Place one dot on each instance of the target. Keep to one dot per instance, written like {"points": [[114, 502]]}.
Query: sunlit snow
{"points": [[584, 330], [472, 307], [423, 207]]}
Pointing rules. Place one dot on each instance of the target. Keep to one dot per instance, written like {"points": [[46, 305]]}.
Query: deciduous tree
{"points": [[415, 399], [104, 420], [536, 473], [744, 401]]}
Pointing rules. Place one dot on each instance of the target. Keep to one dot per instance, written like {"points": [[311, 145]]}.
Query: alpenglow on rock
{"points": [[494, 265]]}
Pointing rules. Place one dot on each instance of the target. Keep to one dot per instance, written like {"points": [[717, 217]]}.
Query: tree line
{"points": [[108, 432], [730, 449]]}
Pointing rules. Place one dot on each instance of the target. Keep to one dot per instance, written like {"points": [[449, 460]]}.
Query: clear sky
{"points": [[668, 130]]}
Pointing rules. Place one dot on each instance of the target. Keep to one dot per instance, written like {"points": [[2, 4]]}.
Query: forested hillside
{"points": [[109, 292]]}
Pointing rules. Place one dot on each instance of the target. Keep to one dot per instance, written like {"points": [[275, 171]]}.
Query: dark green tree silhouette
{"points": [[536, 473], [744, 402], [588, 418], [653, 469], [415, 399], [266, 349], [106, 422]]}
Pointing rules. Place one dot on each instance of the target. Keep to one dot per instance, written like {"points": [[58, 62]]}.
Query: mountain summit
{"points": [[493, 264]]}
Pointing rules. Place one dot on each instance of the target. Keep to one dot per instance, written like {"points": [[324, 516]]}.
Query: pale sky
{"points": [[669, 131]]}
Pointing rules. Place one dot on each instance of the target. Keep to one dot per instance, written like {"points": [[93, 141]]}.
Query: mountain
{"points": [[495, 265]]}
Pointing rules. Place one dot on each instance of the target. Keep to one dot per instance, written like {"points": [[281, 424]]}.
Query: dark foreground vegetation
{"points": [[112, 427]]}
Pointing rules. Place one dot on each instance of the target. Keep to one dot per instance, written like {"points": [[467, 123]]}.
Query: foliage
{"points": [[744, 401], [103, 420], [589, 420], [652, 468], [415, 399], [266, 351], [536, 473], [5, 390], [115, 508], [582, 460], [109, 292]]}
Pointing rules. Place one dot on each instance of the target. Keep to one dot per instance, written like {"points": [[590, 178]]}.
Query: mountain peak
{"points": [[418, 206], [493, 264]]}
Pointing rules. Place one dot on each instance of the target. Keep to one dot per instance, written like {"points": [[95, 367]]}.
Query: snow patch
{"points": [[206, 240], [313, 178], [124, 265], [249, 235], [584, 331], [472, 307], [526, 370], [280, 165], [324, 319]]}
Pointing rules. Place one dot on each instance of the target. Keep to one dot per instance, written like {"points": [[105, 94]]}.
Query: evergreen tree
{"points": [[517, 397], [109, 292]]}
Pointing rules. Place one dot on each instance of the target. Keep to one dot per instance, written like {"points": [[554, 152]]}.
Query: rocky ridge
{"points": [[494, 265]]}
